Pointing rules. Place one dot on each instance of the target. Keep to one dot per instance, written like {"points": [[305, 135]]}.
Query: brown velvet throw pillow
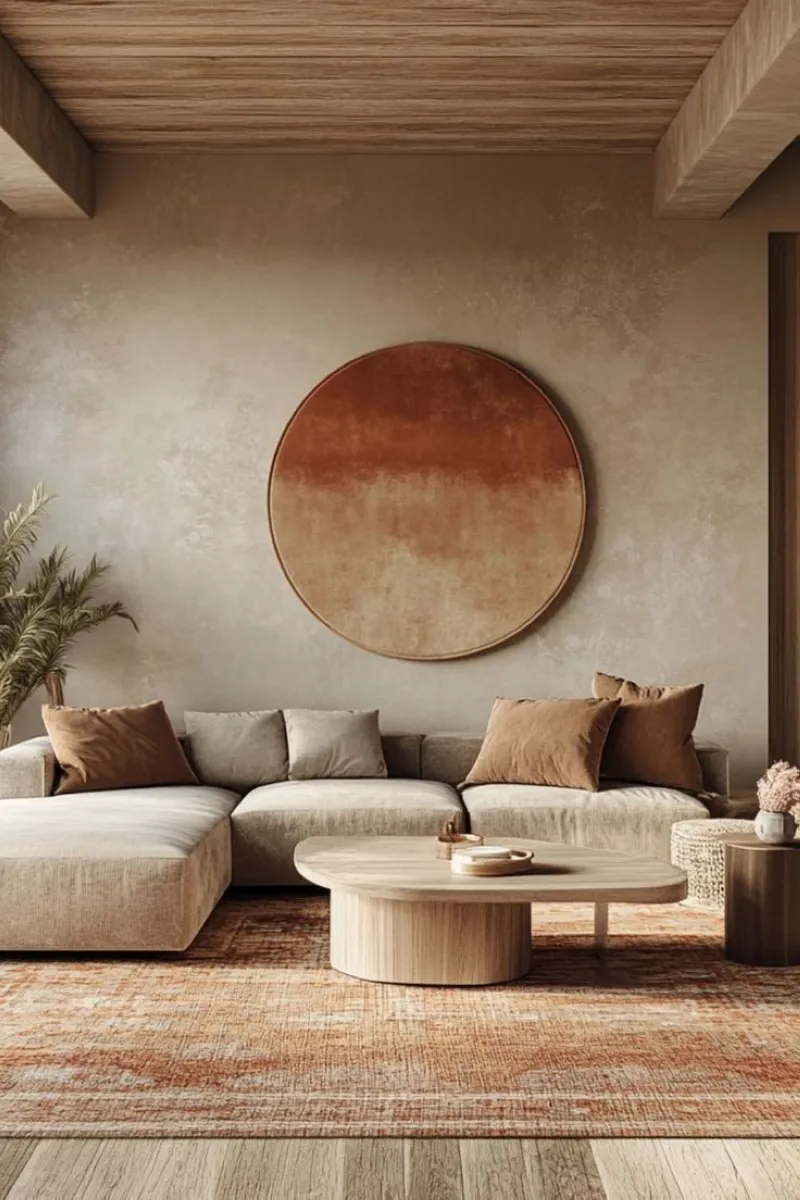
{"points": [[557, 743], [651, 739], [100, 748]]}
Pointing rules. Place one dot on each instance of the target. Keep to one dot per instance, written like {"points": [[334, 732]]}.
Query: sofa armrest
{"points": [[715, 765], [27, 769]]}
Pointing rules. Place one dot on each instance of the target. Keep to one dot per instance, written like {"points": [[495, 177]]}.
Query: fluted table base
{"points": [[402, 941]]}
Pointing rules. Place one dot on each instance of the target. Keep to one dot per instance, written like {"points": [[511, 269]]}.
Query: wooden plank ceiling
{"points": [[448, 75]]}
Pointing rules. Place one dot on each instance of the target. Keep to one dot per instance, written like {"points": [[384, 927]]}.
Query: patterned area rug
{"points": [[250, 1033]]}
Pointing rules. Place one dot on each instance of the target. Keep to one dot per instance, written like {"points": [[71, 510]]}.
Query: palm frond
{"points": [[37, 651], [76, 587], [17, 607], [74, 594], [41, 617], [18, 536], [87, 618], [46, 575]]}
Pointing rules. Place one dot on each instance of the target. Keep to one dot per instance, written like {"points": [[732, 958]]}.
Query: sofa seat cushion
{"points": [[634, 818], [272, 820], [136, 869]]}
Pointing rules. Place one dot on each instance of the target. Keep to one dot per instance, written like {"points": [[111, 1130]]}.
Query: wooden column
{"points": [[784, 496]]}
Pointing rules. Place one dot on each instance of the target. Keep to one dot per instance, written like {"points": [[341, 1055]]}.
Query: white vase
{"points": [[775, 827]]}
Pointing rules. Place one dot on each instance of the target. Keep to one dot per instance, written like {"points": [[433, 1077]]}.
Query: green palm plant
{"points": [[41, 617]]}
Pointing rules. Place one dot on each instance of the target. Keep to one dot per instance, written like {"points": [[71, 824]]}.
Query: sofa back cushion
{"points": [[403, 754], [449, 757], [237, 750], [102, 749], [336, 744]]}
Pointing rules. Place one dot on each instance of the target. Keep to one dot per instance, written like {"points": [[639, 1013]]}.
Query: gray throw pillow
{"points": [[334, 745], [237, 750]]}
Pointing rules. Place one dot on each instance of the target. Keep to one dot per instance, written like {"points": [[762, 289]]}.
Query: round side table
{"points": [[762, 902], [698, 847]]}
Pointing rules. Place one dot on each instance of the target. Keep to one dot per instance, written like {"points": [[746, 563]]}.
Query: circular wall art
{"points": [[426, 501]]}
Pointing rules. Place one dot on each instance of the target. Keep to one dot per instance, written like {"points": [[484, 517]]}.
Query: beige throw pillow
{"points": [[557, 743], [651, 739], [334, 745], [238, 750], [107, 748]]}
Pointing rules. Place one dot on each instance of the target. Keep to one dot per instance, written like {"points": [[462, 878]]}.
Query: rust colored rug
{"points": [[250, 1033]]}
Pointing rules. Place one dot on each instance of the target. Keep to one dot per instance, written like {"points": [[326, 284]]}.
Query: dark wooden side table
{"points": [[762, 902]]}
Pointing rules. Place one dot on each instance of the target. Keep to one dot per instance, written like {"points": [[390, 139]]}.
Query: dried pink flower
{"points": [[779, 788]]}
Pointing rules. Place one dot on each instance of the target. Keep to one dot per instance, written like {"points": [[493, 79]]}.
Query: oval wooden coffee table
{"points": [[398, 914]]}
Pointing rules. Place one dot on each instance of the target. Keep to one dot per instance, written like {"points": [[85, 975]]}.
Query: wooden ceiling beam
{"points": [[45, 165], [741, 114]]}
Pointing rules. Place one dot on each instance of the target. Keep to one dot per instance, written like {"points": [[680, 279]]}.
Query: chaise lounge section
{"points": [[113, 870]]}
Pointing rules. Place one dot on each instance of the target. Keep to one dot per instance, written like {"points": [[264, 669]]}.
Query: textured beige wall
{"points": [[151, 358]]}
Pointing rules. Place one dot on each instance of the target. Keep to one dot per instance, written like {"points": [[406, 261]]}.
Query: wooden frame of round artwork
{"points": [[427, 501]]}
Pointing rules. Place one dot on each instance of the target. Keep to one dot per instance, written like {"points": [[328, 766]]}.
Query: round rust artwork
{"points": [[426, 501]]}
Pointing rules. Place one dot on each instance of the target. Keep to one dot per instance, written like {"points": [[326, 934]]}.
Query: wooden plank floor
{"points": [[392, 1169]]}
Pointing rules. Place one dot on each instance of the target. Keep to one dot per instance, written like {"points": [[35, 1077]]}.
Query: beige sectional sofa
{"points": [[141, 869]]}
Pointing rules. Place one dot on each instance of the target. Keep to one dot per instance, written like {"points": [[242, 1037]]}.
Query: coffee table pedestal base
{"points": [[445, 943]]}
